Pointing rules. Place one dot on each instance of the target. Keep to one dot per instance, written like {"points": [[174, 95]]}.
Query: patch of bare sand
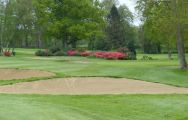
{"points": [[91, 86], [9, 74]]}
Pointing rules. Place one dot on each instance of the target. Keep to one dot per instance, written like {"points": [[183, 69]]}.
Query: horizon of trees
{"points": [[63, 23], [95, 25]]}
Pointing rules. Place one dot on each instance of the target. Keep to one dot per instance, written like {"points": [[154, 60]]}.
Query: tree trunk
{"points": [[180, 47], [179, 39], [64, 42], [26, 41], [39, 41], [169, 54], [169, 51]]}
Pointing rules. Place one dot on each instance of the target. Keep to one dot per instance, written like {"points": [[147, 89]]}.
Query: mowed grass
{"points": [[160, 70], [107, 107], [103, 107]]}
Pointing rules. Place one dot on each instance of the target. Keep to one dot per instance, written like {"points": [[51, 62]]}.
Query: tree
{"points": [[70, 24], [2, 7], [129, 32], [164, 21], [115, 30], [107, 4], [25, 18], [179, 34]]}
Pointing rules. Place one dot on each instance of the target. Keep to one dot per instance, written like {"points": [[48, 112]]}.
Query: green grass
{"points": [[119, 107], [11, 82], [103, 107], [160, 70]]}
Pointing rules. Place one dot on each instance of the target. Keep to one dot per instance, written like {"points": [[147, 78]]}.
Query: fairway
{"points": [[118, 107]]}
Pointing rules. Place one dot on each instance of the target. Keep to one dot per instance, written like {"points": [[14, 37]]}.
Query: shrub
{"points": [[72, 53], [147, 58], [132, 56], [60, 53], [111, 55], [7, 53], [54, 50], [43, 53], [85, 54], [123, 50], [14, 53]]}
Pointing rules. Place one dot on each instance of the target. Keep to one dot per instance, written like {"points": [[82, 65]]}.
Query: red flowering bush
{"points": [[104, 55], [72, 53], [111, 55], [85, 54], [100, 54], [7, 53]]}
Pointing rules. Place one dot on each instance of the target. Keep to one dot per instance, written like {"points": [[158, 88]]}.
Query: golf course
{"points": [[93, 60], [122, 106]]}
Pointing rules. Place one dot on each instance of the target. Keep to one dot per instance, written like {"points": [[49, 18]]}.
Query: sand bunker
{"points": [[9, 74], [91, 86]]}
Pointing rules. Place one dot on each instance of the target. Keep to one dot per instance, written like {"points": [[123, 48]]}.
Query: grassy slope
{"points": [[161, 70], [120, 107]]}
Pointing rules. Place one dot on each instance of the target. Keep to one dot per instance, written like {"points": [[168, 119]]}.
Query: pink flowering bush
{"points": [[104, 55], [72, 53], [85, 54], [111, 55]]}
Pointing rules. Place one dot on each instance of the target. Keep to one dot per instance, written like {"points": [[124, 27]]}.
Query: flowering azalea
{"points": [[104, 55], [7, 53], [72, 53], [85, 54]]}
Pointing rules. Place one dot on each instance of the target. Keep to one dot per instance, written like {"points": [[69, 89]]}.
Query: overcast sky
{"points": [[131, 4]]}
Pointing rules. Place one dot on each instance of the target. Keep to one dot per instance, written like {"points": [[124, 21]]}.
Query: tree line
{"points": [[95, 24]]}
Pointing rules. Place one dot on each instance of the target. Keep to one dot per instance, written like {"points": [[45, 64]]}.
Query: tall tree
{"points": [[73, 21], [164, 21], [179, 34], [115, 29], [2, 7]]}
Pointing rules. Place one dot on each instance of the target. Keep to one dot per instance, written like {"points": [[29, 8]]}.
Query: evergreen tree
{"points": [[114, 30]]}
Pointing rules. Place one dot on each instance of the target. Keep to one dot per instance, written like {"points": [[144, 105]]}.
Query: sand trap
{"points": [[91, 86], [9, 74]]}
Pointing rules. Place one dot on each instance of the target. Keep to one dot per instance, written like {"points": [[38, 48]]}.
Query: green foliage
{"points": [[145, 57], [43, 53], [60, 53], [115, 30], [164, 23]]}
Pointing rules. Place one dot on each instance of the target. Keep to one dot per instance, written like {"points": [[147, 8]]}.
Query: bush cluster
{"points": [[43, 53], [51, 52], [103, 55]]}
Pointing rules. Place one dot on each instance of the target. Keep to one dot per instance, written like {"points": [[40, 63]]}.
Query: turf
{"points": [[119, 107], [159, 70], [104, 107]]}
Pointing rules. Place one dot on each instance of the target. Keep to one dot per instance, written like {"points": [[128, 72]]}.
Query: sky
{"points": [[131, 4]]}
